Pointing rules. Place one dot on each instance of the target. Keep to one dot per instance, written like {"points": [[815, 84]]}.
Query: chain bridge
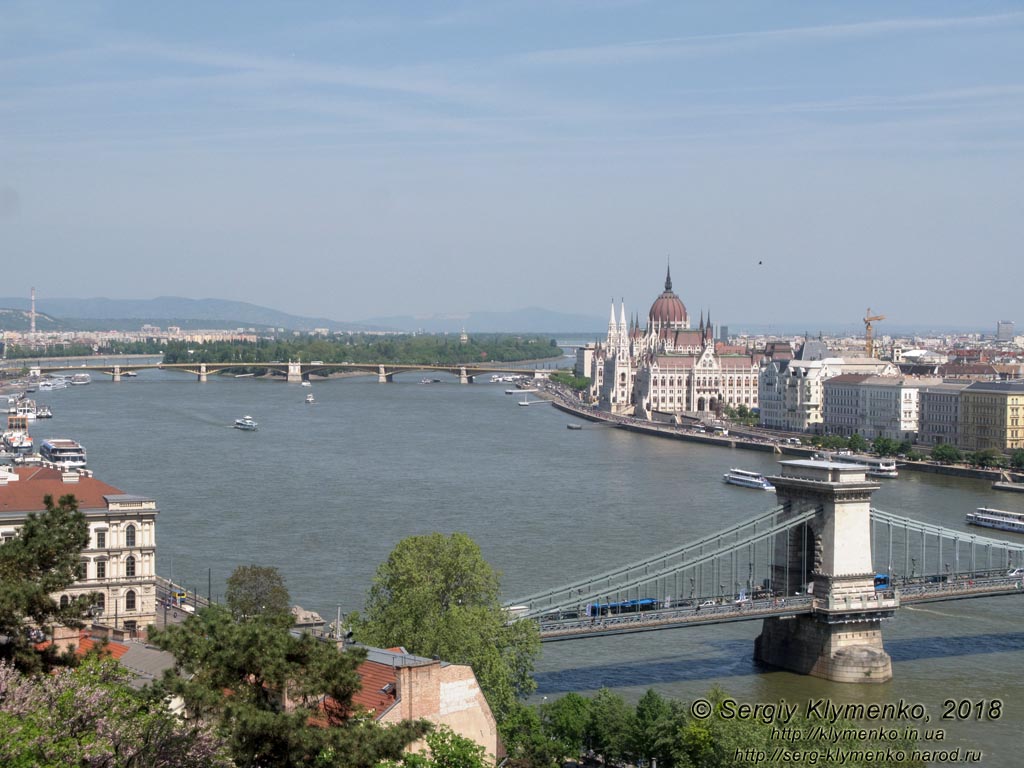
{"points": [[821, 569]]}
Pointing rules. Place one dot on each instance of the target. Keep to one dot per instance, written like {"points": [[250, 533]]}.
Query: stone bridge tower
{"points": [[841, 640]]}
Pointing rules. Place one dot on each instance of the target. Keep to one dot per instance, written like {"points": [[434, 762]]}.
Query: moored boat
{"points": [[309, 398], [747, 479], [64, 452], [81, 378], [246, 423], [43, 412], [998, 519]]}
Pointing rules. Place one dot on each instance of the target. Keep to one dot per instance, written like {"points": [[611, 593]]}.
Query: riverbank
{"points": [[563, 402]]}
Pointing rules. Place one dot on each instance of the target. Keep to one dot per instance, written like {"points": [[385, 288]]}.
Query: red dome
{"points": [[668, 310]]}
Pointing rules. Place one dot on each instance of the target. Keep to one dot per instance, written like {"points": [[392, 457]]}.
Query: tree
{"points": [[40, 561], [650, 711], [612, 724], [445, 749], [240, 674], [90, 716], [255, 590], [566, 721], [435, 595], [883, 446], [990, 457], [857, 443], [946, 453], [1017, 459]]}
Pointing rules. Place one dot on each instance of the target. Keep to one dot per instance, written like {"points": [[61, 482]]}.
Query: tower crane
{"points": [[869, 339]]}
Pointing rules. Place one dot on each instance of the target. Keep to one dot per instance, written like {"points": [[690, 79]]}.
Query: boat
{"points": [[25, 407], [1008, 485], [16, 439], [309, 398], [45, 385], [306, 384], [998, 519], [130, 374], [574, 426], [65, 453], [747, 479], [80, 378], [43, 412], [877, 466], [246, 423]]}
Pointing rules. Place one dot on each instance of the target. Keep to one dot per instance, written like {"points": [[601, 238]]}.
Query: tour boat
{"points": [[748, 479], [246, 423], [574, 426], [43, 412], [81, 378], [998, 519], [876, 466], [65, 453]]}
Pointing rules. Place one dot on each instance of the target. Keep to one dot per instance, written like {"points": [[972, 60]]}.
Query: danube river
{"points": [[324, 491]]}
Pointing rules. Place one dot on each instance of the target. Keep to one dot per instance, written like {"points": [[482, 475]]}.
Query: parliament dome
{"points": [[668, 311]]}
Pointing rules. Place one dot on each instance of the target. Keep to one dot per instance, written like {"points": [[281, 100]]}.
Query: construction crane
{"points": [[869, 338]]}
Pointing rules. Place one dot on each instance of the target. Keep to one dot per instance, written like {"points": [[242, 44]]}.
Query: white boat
{"points": [[877, 466], [309, 398], [997, 519], [16, 439], [43, 412], [45, 385], [246, 423], [130, 374], [65, 453], [81, 378], [748, 479], [306, 384], [25, 408]]}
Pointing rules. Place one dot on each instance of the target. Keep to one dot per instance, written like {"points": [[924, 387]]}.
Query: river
{"points": [[324, 491]]}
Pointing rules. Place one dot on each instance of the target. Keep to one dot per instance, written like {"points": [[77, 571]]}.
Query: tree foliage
{"points": [[445, 749], [239, 674], [256, 590], [41, 560], [435, 595], [946, 453], [89, 716]]}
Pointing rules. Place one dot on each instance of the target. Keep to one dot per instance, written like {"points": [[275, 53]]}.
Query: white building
{"points": [[791, 392], [667, 368], [118, 567], [873, 406]]}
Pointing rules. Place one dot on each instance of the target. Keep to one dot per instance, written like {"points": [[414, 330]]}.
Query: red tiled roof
{"points": [[26, 494], [375, 677], [86, 644]]}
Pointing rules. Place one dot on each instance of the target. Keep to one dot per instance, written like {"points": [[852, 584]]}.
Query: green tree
{"points": [[41, 560], [650, 711], [239, 674], [566, 721], [946, 453], [90, 716], [612, 724], [445, 749], [527, 745], [256, 590], [990, 457], [1017, 459], [857, 443], [883, 446], [436, 596]]}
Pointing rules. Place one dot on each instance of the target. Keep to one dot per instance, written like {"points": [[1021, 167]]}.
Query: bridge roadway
{"points": [[920, 590]]}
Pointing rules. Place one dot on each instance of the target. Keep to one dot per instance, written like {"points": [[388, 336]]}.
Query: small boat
{"points": [[997, 519], [129, 374], [43, 412], [748, 479], [246, 423], [574, 426], [306, 384], [81, 378], [309, 398], [65, 453], [45, 386]]}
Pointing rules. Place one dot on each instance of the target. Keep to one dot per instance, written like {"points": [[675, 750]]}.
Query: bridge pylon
{"points": [[841, 639], [202, 373], [294, 371], [383, 377], [117, 373]]}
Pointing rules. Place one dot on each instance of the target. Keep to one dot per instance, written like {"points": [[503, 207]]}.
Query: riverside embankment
{"points": [[563, 402]]}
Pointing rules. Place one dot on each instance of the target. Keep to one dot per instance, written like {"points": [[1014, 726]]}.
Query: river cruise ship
{"points": [[748, 479], [65, 453], [877, 466], [998, 519]]}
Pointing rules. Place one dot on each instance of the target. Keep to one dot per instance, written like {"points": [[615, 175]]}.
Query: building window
{"points": [[129, 566], [101, 539], [82, 569], [101, 569], [129, 600], [64, 601], [101, 602], [129, 536]]}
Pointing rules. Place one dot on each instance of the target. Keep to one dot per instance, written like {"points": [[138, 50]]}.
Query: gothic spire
{"points": [[668, 278]]}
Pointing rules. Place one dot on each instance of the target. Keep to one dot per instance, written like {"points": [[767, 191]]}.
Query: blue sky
{"points": [[797, 162]]}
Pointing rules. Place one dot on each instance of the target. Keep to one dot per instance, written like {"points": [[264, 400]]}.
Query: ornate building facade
{"points": [[667, 368]]}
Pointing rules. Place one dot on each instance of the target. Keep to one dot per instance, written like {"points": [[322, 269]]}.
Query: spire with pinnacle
{"points": [[668, 278]]}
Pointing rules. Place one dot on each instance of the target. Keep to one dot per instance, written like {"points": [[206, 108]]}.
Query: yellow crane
{"points": [[869, 339]]}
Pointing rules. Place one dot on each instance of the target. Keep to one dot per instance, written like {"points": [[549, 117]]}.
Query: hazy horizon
{"points": [[379, 159]]}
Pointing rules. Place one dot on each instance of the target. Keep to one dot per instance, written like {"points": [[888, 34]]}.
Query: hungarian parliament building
{"points": [[668, 369]]}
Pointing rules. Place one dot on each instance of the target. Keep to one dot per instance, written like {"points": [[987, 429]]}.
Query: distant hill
{"points": [[171, 310], [20, 320], [529, 320]]}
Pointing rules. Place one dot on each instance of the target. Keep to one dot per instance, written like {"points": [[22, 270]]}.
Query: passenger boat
{"points": [[998, 519], [748, 479], [16, 439], [574, 426], [306, 384], [26, 408], [81, 378], [45, 385], [246, 423], [877, 466], [65, 453], [309, 398], [43, 412]]}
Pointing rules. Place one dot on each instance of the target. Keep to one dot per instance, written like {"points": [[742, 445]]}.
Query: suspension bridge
{"points": [[822, 569]]}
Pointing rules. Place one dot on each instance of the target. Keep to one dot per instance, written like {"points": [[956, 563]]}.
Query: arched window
{"points": [[129, 600], [129, 566], [64, 601], [129, 536]]}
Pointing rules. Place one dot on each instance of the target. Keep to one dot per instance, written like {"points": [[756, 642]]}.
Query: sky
{"points": [[794, 162]]}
